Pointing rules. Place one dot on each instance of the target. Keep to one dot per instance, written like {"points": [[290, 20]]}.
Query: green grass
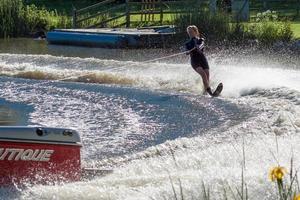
{"points": [[62, 18], [168, 19], [296, 29]]}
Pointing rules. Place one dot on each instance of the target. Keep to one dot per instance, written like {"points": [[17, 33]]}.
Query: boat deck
{"points": [[113, 37], [122, 31]]}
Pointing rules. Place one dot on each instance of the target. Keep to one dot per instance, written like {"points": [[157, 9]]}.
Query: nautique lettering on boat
{"points": [[26, 154]]}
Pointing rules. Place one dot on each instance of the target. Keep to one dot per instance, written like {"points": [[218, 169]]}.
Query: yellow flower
{"points": [[297, 197], [277, 173]]}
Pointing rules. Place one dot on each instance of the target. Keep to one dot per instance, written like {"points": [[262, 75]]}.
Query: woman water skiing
{"points": [[199, 62]]}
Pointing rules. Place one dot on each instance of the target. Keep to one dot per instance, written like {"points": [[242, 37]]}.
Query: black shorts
{"points": [[199, 60]]}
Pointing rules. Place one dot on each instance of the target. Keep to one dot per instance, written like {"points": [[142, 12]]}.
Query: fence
{"points": [[122, 13], [117, 13]]}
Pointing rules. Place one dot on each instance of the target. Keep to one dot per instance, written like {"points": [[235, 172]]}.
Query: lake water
{"points": [[150, 122]]}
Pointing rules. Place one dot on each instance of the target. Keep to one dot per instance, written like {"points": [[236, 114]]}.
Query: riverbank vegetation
{"points": [[266, 30], [18, 18]]}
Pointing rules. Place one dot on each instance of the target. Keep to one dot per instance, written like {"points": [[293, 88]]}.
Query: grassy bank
{"points": [[295, 26], [266, 30], [285, 9], [20, 19]]}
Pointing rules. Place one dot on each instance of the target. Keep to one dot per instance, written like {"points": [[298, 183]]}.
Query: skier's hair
{"points": [[194, 28]]}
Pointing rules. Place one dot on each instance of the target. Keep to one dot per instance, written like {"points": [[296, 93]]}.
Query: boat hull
{"points": [[28, 160], [114, 38], [86, 39]]}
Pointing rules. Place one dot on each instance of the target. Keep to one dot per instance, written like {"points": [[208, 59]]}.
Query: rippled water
{"points": [[119, 120], [138, 117]]}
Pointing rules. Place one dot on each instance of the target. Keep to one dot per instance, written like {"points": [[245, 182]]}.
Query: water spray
{"points": [[147, 61]]}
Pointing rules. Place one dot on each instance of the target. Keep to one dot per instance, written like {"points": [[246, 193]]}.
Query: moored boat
{"points": [[160, 36]]}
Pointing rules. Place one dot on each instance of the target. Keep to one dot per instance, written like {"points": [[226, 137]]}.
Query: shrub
{"points": [[17, 19], [269, 32], [9, 17], [267, 16], [268, 29]]}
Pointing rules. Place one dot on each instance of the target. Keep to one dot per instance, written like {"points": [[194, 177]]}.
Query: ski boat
{"points": [[39, 155]]}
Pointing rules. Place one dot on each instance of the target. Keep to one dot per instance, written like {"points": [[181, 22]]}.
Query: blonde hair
{"points": [[194, 28]]}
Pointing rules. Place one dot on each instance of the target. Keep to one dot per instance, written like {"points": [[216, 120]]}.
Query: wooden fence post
{"points": [[142, 10], [149, 6], [213, 7], [153, 9], [265, 4], [74, 18], [161, 11], [127, 14], [298, 7]]}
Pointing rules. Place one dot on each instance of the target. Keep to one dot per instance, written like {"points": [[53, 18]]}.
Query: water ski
{"points": [[218, 90]]}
